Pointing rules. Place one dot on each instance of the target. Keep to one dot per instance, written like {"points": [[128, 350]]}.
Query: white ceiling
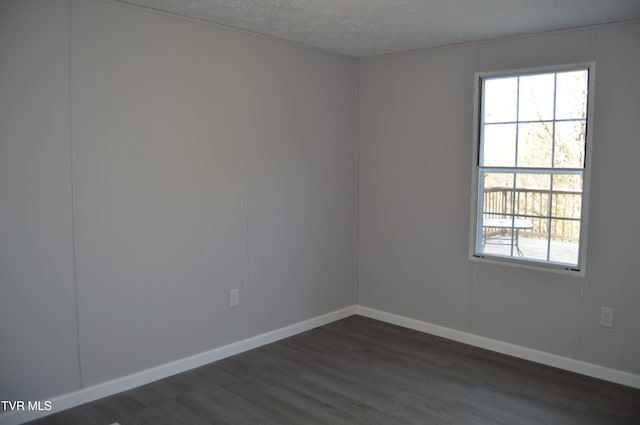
{"points": [[376, 27]]}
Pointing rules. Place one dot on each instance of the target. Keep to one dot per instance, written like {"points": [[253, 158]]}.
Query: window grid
{"points": [[553, 169]]}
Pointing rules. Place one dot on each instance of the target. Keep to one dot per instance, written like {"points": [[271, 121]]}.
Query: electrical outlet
{"points": [[233, 297], [606, 317]]}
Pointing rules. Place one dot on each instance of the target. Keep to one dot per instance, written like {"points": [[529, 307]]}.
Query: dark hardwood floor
{"points": [[361, 371]]}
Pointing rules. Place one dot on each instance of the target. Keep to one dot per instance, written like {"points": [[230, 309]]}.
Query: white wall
{"points": [[203, 159], [416, 114]]}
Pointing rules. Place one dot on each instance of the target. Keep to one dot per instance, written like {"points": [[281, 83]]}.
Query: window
{"points": [[531, 167]]}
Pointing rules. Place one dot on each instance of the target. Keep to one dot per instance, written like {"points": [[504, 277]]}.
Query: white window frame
{"points": [[475, 231]]}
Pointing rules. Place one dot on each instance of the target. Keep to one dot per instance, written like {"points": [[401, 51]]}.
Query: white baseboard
{"points": [[565, 363], [105, 389]]}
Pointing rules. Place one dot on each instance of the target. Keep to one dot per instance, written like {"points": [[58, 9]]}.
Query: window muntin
{"points": [[531, 167]]}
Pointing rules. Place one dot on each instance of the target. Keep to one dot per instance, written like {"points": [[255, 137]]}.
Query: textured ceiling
{"points": [[377, 27]]}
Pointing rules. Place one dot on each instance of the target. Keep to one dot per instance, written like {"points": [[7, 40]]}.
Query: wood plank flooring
{"points": [[361, 371]]}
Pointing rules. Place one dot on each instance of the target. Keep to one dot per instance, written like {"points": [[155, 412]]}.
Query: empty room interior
{"points": [[319, 212]]}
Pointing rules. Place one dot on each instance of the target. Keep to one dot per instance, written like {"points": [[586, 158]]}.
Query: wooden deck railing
{"points": [[563, 206]]}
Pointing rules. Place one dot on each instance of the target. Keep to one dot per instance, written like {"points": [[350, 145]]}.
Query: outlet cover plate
{"points": [[606, 317], [233, 297]]}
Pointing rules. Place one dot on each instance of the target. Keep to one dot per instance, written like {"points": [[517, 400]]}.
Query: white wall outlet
{"points": [[606, 317], [233, 297]]}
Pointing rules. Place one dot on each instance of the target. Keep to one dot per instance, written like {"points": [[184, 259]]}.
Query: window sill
{"points": [[528, 264]]}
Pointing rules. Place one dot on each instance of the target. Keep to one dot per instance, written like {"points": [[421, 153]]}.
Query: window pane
{"points": [[500, 99], [535, 144], [571, 95], [532, 243], [567, 198], [499, 145], [532, 194], [564, 249], [569, 147], [498, 194], [536, 97], [568, 182]]}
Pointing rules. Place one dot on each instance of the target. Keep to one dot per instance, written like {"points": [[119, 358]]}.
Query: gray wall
{"points": [[38, 331], [416, 114], [200, 159]]}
